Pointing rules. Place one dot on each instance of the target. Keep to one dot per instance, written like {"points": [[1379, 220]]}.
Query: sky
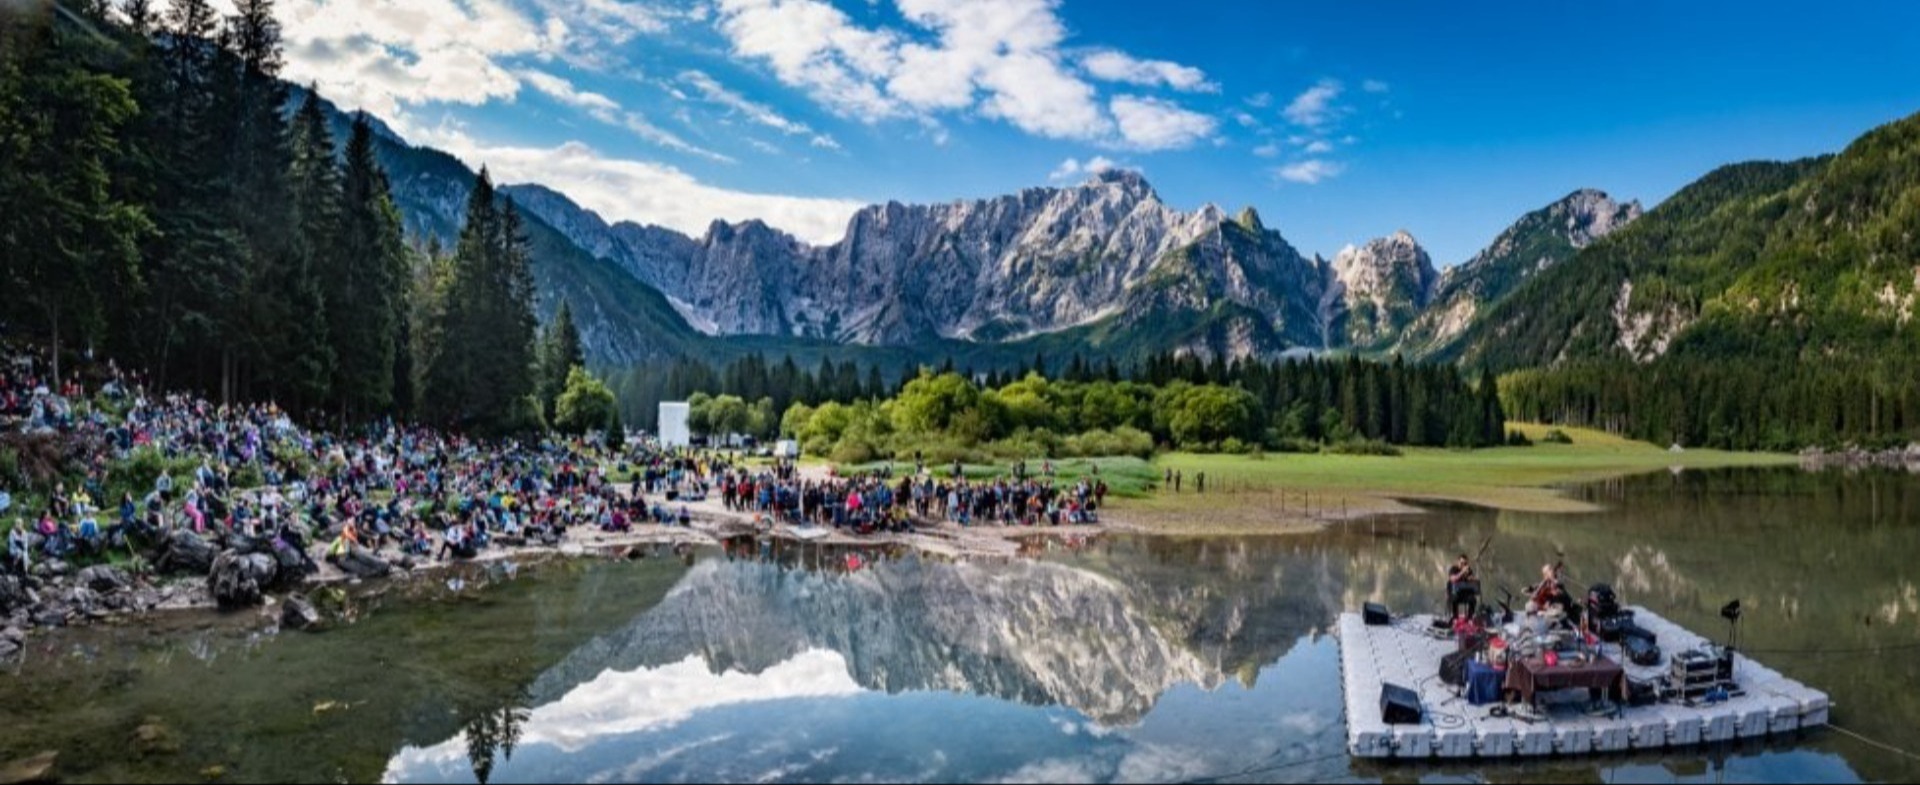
{"points": [[1337, 121]]}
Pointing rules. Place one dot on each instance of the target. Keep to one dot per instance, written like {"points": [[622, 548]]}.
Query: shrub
{"points": [[1557, 436], [853, 451], [1295, 445], [1099, 443], [1518, 439], [1363, 447]]}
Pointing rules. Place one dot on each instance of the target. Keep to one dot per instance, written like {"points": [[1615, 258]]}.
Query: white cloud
{"points": [[1316, 106], [1153, 124], [1309, 172], [379, 55], [1116, 66], [999, 58], [1374, 86], [1246, 119], [619, 704], [606, 110], [1260, 100], [563, 91], [640, 191], [1317, 147], [711, 89], [1072, 168], [1268, 150]]}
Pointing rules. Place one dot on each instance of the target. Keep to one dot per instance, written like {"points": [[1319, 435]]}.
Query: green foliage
{"points": [[560, 352], [1554, 436], [1183, 403], [585, 405], [1363, 447], [482, 371]]}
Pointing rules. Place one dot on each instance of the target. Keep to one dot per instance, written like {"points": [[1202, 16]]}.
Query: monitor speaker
{"points": [[1376, 615], [1399, 705]]}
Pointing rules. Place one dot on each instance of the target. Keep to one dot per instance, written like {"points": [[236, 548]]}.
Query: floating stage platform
{"points": [[1404, 653]]}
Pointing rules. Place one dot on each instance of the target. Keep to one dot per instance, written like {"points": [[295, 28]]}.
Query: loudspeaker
{"points": [[1376, 615], [1399, 705], [1642, 693]]}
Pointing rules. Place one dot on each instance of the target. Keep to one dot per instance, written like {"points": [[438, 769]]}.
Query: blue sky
{"points": [[1338, 121]]}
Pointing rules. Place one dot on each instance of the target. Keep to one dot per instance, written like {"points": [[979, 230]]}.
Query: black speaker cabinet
{"points": [[1399, 705], [1376, 615]]}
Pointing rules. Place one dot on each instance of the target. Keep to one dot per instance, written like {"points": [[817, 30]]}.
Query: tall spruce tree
{"points": [[560, 352], [481, 376], [366, 283], [294, 296]]}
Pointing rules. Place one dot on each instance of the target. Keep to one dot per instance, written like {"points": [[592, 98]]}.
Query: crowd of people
{"points": [[258, 477], [875, 501]]}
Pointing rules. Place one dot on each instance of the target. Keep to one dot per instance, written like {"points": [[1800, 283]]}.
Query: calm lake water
{"points": [[1119, 658]]}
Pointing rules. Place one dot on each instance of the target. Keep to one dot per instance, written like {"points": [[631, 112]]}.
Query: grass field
{"points": [[1277, 490]]}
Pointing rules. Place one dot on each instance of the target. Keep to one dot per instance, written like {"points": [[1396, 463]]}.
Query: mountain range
{"points": [[1107, 269]]}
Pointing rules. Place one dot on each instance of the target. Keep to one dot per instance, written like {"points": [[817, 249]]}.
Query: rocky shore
{"points": [[233, 573], [1907, 458]]}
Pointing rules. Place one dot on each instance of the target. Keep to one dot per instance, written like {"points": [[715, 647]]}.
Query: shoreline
{"points": [[1273, 495]]}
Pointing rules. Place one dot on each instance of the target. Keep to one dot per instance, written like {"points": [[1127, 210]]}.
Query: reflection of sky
{"points": [[805, 720]]}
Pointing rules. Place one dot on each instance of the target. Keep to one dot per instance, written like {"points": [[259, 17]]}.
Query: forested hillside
{"points": [[1766, 305]]}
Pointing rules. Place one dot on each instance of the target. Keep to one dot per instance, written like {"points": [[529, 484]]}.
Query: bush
{"points": [[1025, 443], [853, 451], [1557, 436], [1122, 441], [1518, 439], [1233, 446], [1295, 445], [1363, 447], [136, 474]]}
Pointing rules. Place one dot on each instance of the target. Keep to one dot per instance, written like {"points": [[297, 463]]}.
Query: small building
{"points": [[673, 424], [787, 449]]}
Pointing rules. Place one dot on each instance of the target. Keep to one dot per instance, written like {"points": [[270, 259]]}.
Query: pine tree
{"points": [[481, 376], [560, 352], [293, 303], [366, 282]]}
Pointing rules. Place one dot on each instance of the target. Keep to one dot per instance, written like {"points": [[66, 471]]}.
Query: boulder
{"points": [[15, 594], [299, 614], [154, 738], [238, 580], [292, 563], [362, 563], [104, 579], [38, 768], [83, 601], [187, 552], [52, 614], [12, 640], [52, 568]]}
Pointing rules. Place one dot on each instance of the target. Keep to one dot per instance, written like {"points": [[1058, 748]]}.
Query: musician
{"points": [[1547, 591], [1552, 592], [1463, 587]]}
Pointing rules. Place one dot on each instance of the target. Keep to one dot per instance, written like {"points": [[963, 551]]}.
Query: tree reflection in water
{"points": [[492, 735]]}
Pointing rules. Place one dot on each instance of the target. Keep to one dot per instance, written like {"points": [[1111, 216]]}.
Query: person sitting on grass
{"points": [[19, 548]]}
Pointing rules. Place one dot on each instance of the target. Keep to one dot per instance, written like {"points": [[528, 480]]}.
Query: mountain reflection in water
{"points": [[907, 637]]}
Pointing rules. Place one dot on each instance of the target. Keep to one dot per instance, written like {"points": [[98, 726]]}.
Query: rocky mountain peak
{"points": [[1588, 214], [1378, 289], [1397, 253]]}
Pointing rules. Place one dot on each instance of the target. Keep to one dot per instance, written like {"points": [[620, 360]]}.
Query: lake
{"points": [[1108, 658]]}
